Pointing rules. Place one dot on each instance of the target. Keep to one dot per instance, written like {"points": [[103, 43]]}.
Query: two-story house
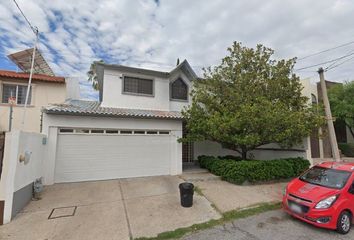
{"points": [[132, 131], [13, 88]]}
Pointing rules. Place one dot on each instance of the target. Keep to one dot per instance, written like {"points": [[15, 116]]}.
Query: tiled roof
{"points": [[38, 77], [93, 108]]}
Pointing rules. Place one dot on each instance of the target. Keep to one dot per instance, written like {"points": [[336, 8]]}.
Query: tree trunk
{"points": [[350, 129], [244, 153]]}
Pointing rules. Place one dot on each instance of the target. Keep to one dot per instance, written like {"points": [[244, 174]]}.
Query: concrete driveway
{"points": [[114, 209], [274, 225]]}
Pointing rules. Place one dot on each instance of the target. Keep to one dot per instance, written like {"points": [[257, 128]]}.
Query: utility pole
{"points": [[331, 131], [35, 30]]}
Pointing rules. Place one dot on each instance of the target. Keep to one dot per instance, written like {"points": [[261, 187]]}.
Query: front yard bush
{"points": [[253, 171], [231, 157], [347, 149]]}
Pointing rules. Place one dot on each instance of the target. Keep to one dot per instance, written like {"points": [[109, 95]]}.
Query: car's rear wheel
{"points": [[344, 222]]}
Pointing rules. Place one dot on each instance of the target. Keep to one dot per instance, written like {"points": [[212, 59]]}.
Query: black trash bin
{"points": [[186, 191]]}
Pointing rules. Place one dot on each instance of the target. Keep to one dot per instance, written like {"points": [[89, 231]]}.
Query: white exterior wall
{"points": [[113, 95], [53, 122], [309, 89], [72, 88], [16, 174]]}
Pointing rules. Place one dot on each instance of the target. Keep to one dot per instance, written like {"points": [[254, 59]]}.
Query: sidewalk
{"points": [[226, 196]]}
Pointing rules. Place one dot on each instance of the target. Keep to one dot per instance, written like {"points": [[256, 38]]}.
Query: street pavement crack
{"points": [[125, 211]]}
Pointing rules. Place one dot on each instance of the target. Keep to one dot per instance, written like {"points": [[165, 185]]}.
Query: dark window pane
{"points": [[130, 85], [82, 130], [21, 95], [138, 85], [179, 90], [139, 132], [7, 92], [164, 132], [151, 132], [125, 132], [112, 131], [97, 131], [66, 130]]}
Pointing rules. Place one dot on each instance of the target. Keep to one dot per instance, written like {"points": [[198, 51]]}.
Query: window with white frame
{"points": [[179, 90], [15, 92], [138, 85]]}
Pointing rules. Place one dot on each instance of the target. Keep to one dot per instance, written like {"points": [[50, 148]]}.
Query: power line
{"points": [[34, 29], [330, 61], [326, 50], [329, 66], [347, 60]]}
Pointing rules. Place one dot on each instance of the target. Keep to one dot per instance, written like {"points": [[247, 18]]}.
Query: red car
{"points": [[323, 196]]}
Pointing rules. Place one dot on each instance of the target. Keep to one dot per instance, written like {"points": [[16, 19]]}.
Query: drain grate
{"points": [[62, 212]]}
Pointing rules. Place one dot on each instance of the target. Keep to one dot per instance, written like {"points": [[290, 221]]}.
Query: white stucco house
{"points": [[131, 131]]}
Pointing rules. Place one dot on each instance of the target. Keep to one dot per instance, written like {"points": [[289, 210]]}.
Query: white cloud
{"points": [[142, 33]]}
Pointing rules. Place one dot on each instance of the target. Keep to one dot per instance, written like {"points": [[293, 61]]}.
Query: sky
{"points": [[154, 33]]}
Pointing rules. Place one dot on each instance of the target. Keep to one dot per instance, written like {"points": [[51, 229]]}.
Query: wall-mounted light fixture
{"points": [[25, 158]]}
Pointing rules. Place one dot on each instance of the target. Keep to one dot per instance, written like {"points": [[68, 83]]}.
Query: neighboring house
{"points": [[13, 87], [132, 131], [342, 132]]}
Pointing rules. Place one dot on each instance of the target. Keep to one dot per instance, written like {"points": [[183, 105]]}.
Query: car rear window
{"points": [[326, 177]]}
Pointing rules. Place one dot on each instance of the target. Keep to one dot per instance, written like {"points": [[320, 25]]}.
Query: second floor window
{"points": [[138, 85], [17, 93], [179, 90]]}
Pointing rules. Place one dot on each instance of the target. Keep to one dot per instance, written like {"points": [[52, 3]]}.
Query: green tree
{"points": [[341, 97], [91, 74], [250, 100]]}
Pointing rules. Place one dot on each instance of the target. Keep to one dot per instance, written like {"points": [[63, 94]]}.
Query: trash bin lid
{"points": [[186, 185]]}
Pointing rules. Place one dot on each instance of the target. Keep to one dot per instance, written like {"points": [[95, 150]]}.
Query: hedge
{"points": [[231, 157], [254, 170], [347, 149]]}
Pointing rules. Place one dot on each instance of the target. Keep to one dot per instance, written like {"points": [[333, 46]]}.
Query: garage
{"points": [[99, 154]]}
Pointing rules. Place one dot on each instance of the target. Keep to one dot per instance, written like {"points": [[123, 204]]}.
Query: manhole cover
{"points": [[62, 212]]}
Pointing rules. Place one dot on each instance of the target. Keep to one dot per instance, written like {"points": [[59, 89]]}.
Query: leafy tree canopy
{"points": [[91, 74], [341, 98], [250, 100]]}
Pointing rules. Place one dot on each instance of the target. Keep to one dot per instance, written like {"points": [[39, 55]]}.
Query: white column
{"points": [[49, 161], [176, 153]]}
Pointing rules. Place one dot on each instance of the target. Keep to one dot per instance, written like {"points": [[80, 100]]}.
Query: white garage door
{"points": [[91, 156]]}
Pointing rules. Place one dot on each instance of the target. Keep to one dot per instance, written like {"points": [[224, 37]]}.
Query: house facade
{"points": [[320, 145], [133, 129], [13, 88]]}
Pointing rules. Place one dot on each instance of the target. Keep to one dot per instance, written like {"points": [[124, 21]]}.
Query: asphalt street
{"points": [[271, 225]]}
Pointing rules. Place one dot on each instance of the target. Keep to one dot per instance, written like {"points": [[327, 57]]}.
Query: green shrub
{"points": [[231, 157], [254, 170], [347, 149]]}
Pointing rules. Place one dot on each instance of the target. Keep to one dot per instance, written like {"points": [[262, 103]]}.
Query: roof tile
{"points": [[39, 77], [93, 108]]}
